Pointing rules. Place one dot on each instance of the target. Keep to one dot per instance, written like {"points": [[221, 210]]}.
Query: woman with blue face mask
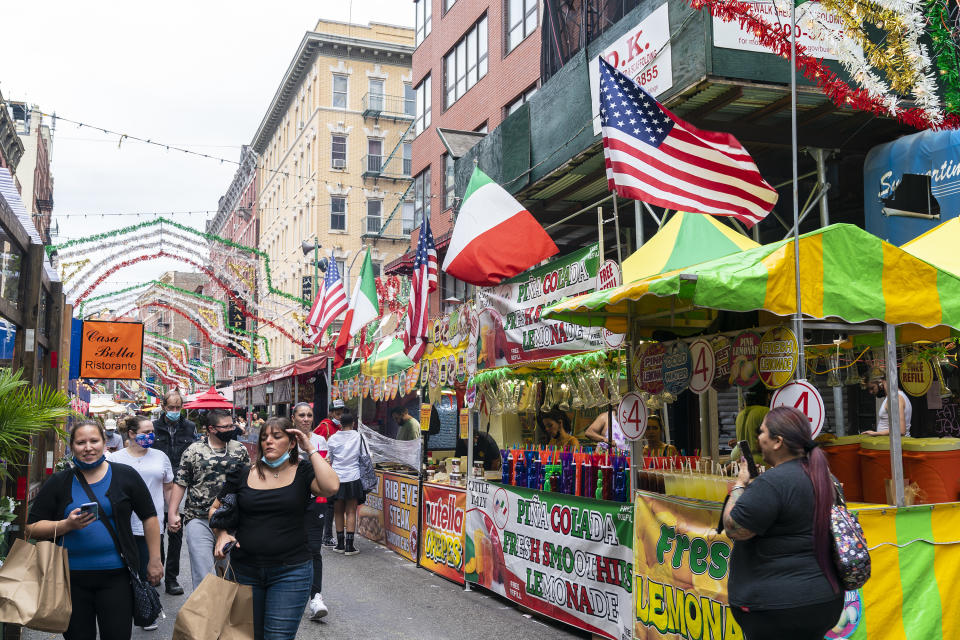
{"points": [[157, 473], [269, 550], [100, 567]]}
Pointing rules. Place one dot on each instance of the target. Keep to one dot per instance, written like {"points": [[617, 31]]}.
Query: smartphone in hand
{"points": [[91, 508], [751, 463]]}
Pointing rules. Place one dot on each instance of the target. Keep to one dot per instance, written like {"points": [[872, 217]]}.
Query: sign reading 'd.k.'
{"points": [[111, 350]]}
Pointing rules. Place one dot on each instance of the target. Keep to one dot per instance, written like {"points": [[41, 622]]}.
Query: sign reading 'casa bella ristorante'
{"points": [[111, 350]]}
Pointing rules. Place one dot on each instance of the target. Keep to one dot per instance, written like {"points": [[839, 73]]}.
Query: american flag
{"points": [[654, 156], [423, 283], [331, 302]]}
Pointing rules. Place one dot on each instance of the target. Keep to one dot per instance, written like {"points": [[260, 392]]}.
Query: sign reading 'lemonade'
{"points": [[111, 350]]}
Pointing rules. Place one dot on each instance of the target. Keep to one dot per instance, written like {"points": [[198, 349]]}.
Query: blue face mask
{"points": [[86, 466], [173, 416], [276, 463], [145, 440]]}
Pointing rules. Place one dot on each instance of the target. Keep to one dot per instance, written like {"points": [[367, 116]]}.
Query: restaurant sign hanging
{"points": [[111, 350]]}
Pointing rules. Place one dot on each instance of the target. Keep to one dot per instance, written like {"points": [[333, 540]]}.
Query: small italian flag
{"points": [[363, 310], [495, 237]]}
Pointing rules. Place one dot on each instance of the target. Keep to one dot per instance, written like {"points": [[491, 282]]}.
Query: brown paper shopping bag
{"points": [[205, 616], [35, 587]]}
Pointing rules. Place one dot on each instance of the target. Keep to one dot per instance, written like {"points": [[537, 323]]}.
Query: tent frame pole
{"points": [[893, 410]]}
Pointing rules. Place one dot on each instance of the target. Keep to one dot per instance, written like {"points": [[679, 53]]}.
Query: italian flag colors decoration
{"points": [[363, 309], [495, 237]]}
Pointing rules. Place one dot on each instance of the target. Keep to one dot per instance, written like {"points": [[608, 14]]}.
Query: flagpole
{"points": [[798, 318]]}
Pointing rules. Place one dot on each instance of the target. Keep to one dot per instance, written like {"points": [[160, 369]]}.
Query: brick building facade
{"points": [[475, 60]]}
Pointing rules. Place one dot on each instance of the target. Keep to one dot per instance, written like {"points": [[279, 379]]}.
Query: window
{"points": [[423, 104], [338, 213], [409, 100], [448, 180], [407, 215], [521, 21], [450, 287], [338, 152], [521, 99], [421, 197], [424, 16], [448, 4], [377, 269], [374, 216], [466, 63], [482, 128], [374, 155], [407, 158], [340, 91], [376, 94]]}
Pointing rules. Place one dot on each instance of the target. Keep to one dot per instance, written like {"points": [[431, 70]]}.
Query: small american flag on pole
{"points": [[654, 156], [331, 301], [423, 283]]}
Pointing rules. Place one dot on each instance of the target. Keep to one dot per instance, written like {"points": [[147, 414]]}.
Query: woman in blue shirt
{"points": [[99, 572]]}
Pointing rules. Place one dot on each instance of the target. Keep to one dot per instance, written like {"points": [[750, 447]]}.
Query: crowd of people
{"points": [[135, 487]]}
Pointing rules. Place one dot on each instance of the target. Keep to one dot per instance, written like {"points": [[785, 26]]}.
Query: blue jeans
{"points": [[280, 595]]}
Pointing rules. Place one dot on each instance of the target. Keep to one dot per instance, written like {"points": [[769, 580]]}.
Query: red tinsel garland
{"points": [[838, 91]]}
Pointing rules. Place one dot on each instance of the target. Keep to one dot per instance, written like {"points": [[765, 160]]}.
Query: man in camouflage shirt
{"points": [[203, 470]]}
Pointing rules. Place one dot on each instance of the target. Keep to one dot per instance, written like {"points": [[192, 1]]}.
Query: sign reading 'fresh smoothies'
{"points": [[565, 557], [111, 350]]}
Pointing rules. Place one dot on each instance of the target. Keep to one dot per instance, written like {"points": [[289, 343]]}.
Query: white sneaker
{"points": [[151, 627], [317, 608]]}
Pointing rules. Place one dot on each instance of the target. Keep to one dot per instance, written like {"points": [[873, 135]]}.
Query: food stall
{"points": [[681, 563]]}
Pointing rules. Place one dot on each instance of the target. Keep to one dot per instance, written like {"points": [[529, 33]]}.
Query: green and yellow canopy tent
{"points": [[684, 240], [387, 359], [845, 274]]}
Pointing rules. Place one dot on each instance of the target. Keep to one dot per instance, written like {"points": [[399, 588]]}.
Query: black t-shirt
{"points": [[271, 531], [777, 568], [484, 449]]}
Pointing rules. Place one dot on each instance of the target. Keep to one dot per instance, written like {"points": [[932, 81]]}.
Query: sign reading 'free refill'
{"points": [[111, 350]]}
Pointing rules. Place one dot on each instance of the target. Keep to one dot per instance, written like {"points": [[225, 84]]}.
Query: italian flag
{"points": [[494, 238], [362, 311]]}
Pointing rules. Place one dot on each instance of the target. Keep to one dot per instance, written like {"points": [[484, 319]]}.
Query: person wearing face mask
{"points": [[877, 387], [203, 470], [100, 589], [173, 434], [113, 441], [155, 469], [270, 551], [327, 427], [316, 511]]}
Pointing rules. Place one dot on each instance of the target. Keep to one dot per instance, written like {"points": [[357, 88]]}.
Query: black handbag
{"points": [[146, 600], [227, 517], [368, 477]]}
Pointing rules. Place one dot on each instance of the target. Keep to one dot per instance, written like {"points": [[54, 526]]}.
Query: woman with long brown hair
{"points": [[270, 550], [782, 582]]}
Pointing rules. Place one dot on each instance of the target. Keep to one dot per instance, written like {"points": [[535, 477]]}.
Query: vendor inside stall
{"points": [[485, 449], [656, 447], [877, 386], [554, 427], [599, 432], [409, 427]]}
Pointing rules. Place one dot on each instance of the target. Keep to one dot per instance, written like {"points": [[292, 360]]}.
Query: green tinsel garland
{"points": [[946, 54]]}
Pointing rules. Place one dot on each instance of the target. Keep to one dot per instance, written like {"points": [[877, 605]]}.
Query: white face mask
{"points": [[335, 421]]}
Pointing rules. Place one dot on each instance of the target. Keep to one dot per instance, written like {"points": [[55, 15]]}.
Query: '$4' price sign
{"points": [[704, 365], [632, 416]]}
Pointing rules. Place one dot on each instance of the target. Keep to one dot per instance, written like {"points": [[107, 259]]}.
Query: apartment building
{"points": [[33, 171], [335, 159], [476, 62]]}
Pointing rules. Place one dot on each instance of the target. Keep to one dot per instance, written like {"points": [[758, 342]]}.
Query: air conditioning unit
{"points": [[339, 163]]}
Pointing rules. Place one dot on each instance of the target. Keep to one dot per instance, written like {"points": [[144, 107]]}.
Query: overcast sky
{"points": [[198, 74]]}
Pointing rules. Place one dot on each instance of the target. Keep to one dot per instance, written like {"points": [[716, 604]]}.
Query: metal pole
{"points": [[893, 410], [600, 231], [838, 411], [798, 318], [616, 228], [316, 275], [638, 221], [819, 157]]}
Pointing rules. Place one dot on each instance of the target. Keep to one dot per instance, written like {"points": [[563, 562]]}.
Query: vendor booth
{"points": [[851, 283]]}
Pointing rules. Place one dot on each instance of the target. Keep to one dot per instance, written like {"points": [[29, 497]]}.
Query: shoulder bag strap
{"points": [[104, 519]]}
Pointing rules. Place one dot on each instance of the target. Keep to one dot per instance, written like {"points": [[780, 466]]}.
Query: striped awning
{"points": [[846, 273]]}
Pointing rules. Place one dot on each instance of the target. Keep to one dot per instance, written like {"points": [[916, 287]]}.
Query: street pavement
{"points": [[378, 594]]}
